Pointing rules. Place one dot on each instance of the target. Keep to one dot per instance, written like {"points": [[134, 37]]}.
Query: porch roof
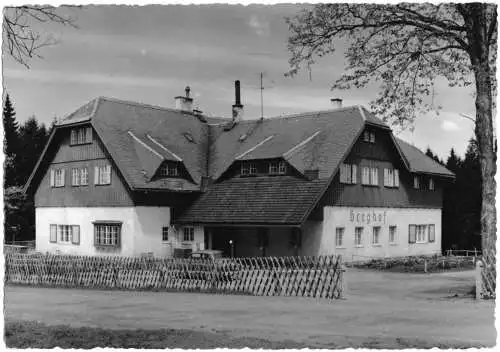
{"points": [[282, 200]]}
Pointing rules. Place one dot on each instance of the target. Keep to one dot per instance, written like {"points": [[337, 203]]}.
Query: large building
{"points": [[123, 178]]}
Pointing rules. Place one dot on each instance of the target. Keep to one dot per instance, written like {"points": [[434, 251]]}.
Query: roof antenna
{"points": [[261, 98]]}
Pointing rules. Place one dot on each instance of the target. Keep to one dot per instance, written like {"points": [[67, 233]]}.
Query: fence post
{"points": [[425, 265], [479, 281]]}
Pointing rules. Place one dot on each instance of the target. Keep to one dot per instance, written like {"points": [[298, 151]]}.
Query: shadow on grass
{"points": [[28, 334]]}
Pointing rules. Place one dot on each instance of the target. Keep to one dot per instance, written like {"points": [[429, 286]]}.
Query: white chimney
{"points": [[237, 107], [184, 103], [336, 103]]}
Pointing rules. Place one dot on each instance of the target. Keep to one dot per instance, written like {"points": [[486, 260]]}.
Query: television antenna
{"points": [[261, 87]]}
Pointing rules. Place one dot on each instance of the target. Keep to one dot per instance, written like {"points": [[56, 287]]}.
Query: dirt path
{"points": [[384, 308]]}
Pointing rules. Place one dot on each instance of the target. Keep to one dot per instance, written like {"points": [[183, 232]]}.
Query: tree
{"points": [[405, 47], [32, 139], [433, 156], [11, 141], [20, 39]]}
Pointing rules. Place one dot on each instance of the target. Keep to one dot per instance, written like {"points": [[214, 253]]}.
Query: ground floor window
{"points": [[376, 235], [392, 234], [358, 236], [65, 234], [164, 233], [189, 234], [107, 234], [421, 233], [339, 237]]}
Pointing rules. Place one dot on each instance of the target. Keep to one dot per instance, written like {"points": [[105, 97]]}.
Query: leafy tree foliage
{"points": [[404, 48]]}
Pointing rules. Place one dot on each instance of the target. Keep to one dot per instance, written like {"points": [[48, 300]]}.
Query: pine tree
{"points": [[11, 142], [32, 139]]}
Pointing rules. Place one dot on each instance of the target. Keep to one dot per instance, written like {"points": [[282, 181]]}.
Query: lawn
{"points": [[381, 310]]}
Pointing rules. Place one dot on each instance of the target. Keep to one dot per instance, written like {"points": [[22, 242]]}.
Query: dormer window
{"points": [[416, 182], [277, 168], [248, 169], [431, 184], [81, 135], [169, 170], [369, 136]]}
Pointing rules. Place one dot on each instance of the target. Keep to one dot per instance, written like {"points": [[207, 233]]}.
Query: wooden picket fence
{"points": [[488, 275], [321, 277]]}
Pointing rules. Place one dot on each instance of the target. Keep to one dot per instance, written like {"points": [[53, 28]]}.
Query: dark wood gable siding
{"points": [[86, 155], [382, 154]]}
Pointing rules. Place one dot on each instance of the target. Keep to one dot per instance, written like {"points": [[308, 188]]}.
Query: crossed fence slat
{"points": [[320, 277]]}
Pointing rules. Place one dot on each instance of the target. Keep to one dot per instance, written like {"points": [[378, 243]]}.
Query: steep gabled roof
{"points": [[316, 140]]}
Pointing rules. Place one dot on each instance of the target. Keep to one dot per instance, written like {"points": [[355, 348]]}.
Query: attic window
{"points": [[277, 168], [248, 169], [81, 135], [369, 136], [189, 137], [169, 170]]}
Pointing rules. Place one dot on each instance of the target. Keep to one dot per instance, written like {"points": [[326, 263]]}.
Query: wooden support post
{"points": [[479, 281]]}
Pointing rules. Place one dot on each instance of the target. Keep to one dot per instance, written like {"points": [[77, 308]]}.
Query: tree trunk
{"points": [[479, 55]]}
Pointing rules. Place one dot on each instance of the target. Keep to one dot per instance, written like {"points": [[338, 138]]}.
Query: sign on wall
{"points": [[368, 216]]}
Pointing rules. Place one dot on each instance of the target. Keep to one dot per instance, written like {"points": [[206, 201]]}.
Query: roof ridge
{"points": [[145, 105]]}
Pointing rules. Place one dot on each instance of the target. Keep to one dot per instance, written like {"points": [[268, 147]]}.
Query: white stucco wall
{"points": [[319, 237], [141, 230]]}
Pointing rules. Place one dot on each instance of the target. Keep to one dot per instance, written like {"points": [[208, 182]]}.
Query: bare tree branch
{"points": [[21, 41]]}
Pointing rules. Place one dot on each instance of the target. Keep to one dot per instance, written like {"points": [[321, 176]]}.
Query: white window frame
{"points": [[339, 237], [245, 169], [348, 174], [165, 233], [358, 234], [369, 176], [107, 234], [416, 182], [102, 174], [374, 176], [75, 177], [372, 137], [252, 168], [421, 234], [391, 178], [57, 177], [84, 176], [80, 135], [376, 235], [431, 184], [273, 168], [188, 234], [366, 136], [282, 168], [64, 234], [393, 231]]}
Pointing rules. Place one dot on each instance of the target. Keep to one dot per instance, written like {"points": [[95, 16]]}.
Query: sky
{"points": [[149, 54]]}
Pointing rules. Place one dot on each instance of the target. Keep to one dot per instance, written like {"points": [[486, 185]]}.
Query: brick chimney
{"points": [[336, 103], [184, 103], [237, 107]]}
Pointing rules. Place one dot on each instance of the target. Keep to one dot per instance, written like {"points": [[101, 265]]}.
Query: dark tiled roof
{"points": [[419, 162], [266, 200], [316, 140]]}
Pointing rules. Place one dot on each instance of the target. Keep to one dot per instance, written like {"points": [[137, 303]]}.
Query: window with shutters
{"points": [[348, 173], [65, 234], [392, 234], [376, 236], [339, 237], [57, 177], [358, 236], [273, 168], [432, 233], [421, 233], [102, 175], [107, 234], [282, 167], [81, 135]]}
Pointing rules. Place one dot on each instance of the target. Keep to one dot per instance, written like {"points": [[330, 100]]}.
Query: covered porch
{"points": [[254, 241]]}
